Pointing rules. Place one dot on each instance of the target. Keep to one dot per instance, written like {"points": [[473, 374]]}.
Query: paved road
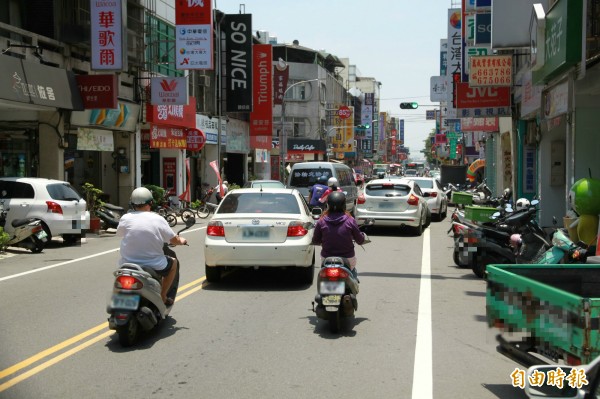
{"points": [[419, 332]]}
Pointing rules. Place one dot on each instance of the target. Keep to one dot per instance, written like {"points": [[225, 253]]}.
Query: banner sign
{"points": [[238, 62], [124, 117], [261, 117], [169, 91], [343, 141], [481, 97], [490, 70], [94, 140], [106, 18], [167, 137], [480, 124], [193, 34], [173, 115], [98, 91], [282, 74]]}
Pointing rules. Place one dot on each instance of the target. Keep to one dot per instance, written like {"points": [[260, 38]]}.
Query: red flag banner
{"points": [[185, 196], [213, 165]]}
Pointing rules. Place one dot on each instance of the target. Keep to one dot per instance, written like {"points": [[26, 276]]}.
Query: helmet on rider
{"points": [[522, 203], [141, 196], [322, 180], [507, 194], [336, 202], [333, 183]]}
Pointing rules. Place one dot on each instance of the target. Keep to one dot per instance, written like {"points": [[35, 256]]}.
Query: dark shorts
{"points": [[165, 272]]}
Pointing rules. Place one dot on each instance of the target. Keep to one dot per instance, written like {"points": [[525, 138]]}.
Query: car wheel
{"points": [[47, 230], [213, 274], [418, 230], [71, 239]]}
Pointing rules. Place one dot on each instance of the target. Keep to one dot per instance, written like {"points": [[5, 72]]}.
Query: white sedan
{"points": [[393, 202], [434, 194], [254, 227]]}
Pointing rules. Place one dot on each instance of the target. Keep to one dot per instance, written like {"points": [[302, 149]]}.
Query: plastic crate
{"points": [[461, 198], [479, 213]]}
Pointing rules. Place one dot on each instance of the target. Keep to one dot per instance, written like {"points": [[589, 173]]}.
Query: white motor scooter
{"points": [[136, 303], [28, 233]]}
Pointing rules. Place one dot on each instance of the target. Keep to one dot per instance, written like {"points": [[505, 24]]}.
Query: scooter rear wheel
{"points": [[128, 334], [335, 321]]}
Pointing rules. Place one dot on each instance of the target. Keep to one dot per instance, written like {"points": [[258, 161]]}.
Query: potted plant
{"points": [[94, 202]]}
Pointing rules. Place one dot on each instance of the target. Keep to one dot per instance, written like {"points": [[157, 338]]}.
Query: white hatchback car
{"points": [[393, 202], [254, 227], [56, 203], [434, 194]]}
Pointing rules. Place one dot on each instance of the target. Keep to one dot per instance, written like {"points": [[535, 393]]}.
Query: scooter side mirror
{"points": [[534, 202], [189, 222]]}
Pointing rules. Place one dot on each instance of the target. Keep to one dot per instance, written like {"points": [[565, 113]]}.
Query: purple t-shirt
{"points": [[335, 232]]}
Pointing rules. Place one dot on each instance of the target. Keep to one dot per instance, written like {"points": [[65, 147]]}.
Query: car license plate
{"points": [[42, 235], [332, 300], [261, 232], [126, 302], [385, 205], [332, 287]]}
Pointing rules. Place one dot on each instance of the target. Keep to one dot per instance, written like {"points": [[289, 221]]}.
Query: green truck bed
{"points": [[552, 310]]}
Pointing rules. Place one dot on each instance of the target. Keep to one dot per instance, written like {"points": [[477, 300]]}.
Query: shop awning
{"points": [[30, 83]]}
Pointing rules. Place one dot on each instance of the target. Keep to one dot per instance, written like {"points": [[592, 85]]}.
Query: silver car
{"points": [[435, 195], [393, 202], [61, 209]]}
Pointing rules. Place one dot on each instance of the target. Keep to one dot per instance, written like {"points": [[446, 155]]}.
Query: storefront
{"points": [[33, 98]]}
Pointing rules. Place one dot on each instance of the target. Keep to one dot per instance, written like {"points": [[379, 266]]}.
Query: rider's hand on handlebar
{"points": [[182, 241]]}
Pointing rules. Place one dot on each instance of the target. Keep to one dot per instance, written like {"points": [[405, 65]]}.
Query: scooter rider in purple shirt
{"points": [[336, 230]]}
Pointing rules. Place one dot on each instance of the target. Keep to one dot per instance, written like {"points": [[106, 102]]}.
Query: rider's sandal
{"points": [[169, 302]]}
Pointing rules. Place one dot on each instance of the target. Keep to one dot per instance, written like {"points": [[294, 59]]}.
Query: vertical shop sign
{"points": [[282, 74], [238, 62], [261, 117], [193, 34], [106, 18]]}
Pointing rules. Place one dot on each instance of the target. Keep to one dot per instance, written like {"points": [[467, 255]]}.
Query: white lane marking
{"points": [[422, 387], [41, 269]]}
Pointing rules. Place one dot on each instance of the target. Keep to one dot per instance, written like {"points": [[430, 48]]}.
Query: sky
{"points": [[396, 42]]}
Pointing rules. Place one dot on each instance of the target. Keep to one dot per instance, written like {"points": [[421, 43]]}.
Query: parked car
{"points": [[435, 195], [56, 203], [304, 175], [394, 202], [254, 227], [264, 184]]}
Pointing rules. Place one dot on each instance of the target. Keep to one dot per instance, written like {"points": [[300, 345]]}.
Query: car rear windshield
{"points": [[15, 189], [387, 190], [259, 203], [62, 192], [424, 183], [308, 177]]}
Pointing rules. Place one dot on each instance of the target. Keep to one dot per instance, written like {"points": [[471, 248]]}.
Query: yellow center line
{"points": [[50, 351]]}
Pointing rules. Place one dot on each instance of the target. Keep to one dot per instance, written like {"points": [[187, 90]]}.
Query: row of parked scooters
{"points": [[511, 236]]}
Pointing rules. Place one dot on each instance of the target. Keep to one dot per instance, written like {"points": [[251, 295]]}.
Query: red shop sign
{"points": [[173, 115], [98, 91], [167, 137], [195, 139], [481, 97]]}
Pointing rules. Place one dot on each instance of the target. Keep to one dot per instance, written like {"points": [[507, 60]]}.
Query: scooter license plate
{"points": [[42, 235], [332, 287], [126, 302], [332, 300]]}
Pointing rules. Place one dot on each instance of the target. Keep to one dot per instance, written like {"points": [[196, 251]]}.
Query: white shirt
{"points": [[144, 234]]}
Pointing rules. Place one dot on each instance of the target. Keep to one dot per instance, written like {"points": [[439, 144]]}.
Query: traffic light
{"points": [[412, 105], [361, 127]]}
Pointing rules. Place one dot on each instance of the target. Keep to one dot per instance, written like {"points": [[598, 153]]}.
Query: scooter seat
{"points": [[20, 222], [114, 207], [152, 272]]}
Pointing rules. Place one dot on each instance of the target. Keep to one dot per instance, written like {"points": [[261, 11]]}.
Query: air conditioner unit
{"points": [[203, 80]]}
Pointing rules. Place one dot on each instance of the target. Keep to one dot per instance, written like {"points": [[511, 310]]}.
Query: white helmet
{"points": [[333, 182], [141, 196], [522, 203]]}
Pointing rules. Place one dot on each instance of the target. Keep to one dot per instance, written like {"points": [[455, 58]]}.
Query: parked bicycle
{"points": [[206, 208]]}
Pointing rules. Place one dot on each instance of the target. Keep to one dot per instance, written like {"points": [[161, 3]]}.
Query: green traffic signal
{"points": [[412, 105]]}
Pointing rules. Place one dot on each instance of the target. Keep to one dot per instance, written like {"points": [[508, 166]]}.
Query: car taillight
{"points": [[361, 199], [215, 229], [432, 194], [296, 229], [128, 283], [413, 200], [53, 207], [333, 273]]}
